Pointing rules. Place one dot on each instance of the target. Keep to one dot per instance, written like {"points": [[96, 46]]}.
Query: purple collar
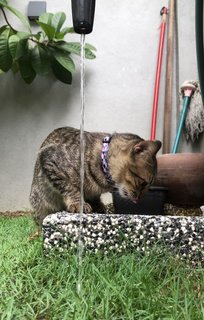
{"points": [[104, 158]]}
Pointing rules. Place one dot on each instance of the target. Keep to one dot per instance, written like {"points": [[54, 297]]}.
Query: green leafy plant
{"points": [[42, 53]]}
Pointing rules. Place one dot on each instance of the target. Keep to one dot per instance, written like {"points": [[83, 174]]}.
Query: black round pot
{"points": [[152, 203]]}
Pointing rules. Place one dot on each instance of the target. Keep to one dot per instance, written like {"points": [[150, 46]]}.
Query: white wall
{"points": [[119, 87]]}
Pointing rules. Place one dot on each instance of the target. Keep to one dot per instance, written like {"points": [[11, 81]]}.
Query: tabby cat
{"points": [[122, 161]]}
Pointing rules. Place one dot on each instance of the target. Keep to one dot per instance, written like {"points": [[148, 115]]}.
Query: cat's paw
{"points": [[87, 208], [75, 208]]}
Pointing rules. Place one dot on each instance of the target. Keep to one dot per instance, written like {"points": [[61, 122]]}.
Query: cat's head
{"points": [[137, 169]]}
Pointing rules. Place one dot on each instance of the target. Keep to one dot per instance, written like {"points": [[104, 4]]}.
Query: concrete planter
{"points": [[107, 233]]}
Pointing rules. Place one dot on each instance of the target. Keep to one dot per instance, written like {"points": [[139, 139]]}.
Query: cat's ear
{"points": [[151, 146]]}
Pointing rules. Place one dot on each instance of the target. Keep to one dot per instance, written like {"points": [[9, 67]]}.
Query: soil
{"points": [[15, 214], [169, 209]]}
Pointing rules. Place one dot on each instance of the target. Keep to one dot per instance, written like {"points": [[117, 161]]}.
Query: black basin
{"points": [[151, 203]]}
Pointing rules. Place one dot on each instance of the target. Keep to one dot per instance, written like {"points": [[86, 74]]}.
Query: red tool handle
{"points": [[158, 73]]}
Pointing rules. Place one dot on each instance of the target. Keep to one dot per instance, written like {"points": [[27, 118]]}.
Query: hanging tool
{"points": [[194, 120], [169, 79], [188, 90], [163, 13]]}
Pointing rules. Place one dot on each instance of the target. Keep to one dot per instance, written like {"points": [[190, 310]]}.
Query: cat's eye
{"points": [[152, 180], [144, 184]]}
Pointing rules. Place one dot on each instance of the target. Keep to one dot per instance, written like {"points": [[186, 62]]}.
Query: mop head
{"points": [[194, 122]]}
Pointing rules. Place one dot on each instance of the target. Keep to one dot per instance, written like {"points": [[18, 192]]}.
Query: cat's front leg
{"points": [[73, 206], [63, 176]]}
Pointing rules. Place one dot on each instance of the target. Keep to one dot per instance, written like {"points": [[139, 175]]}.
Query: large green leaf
{"points": [[5, 56], [13, 44], [18, 14], [4, 2], [17, 46], [51, 24], [90, 47], [68, 30], [23, 35], [75, 47], [48, 29], [37, 36], [61, 73], [15, 67], [27, 72], [58, 20], [59, 36], [46, 18], [63, 59], [3, 28], [40, 61]]}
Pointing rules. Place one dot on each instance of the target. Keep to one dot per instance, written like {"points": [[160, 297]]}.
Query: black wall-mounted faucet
{"points": [[83, 15]]}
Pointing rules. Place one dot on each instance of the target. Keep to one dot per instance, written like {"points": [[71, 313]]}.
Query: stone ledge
{"points": [[120, 233]]}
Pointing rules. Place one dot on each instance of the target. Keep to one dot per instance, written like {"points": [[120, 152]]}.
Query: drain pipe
{"points": [[199, 42]]}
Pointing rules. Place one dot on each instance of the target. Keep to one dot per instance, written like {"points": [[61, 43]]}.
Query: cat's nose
{"points": [[136, 198]]}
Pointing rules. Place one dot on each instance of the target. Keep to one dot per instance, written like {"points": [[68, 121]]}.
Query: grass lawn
{"points": [[33, 286]]}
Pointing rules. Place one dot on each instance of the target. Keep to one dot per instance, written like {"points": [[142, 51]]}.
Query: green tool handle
{"points": [[181, 123]]}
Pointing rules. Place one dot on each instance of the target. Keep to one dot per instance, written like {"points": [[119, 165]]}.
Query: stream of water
{"points": [[82, 150], [82, 140]]}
